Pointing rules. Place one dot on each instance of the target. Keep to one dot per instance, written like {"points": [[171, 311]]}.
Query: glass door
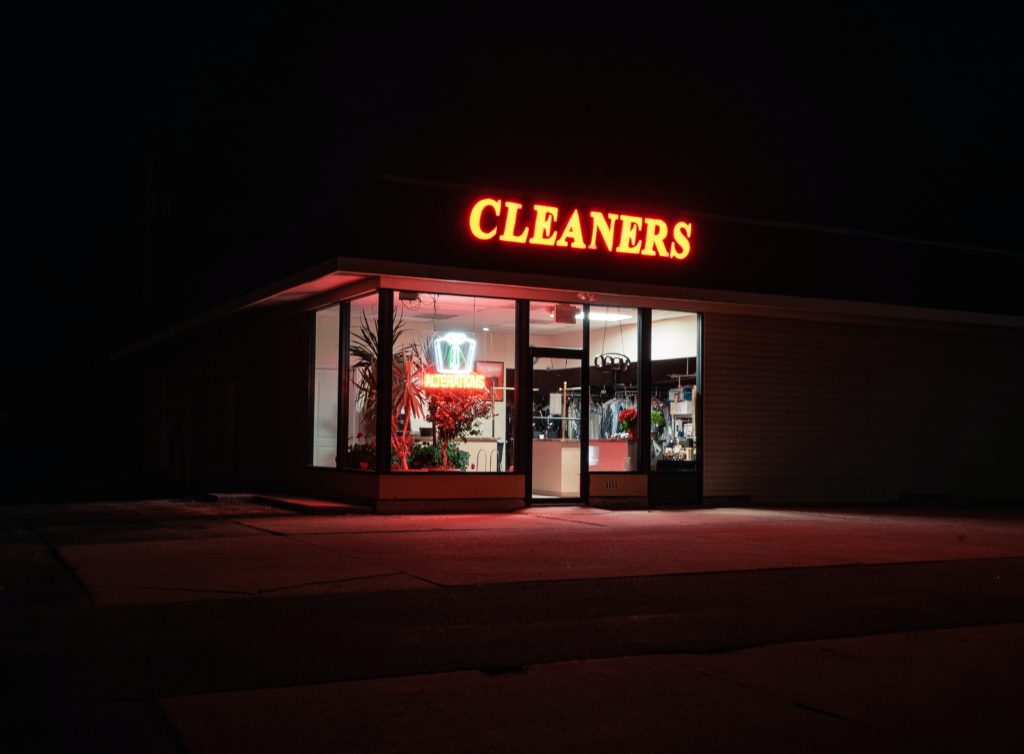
{"points": [[559, 425]]}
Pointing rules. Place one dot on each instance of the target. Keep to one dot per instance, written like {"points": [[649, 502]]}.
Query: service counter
{"points": [[612, 455], [556, 463]]}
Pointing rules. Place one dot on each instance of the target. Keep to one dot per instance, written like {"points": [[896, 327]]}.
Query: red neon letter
{"points": [[509, 234], [657, 232], [475, 214], [628, 242], [605, 227], [574, 231], [683, 250], [545, 215]]}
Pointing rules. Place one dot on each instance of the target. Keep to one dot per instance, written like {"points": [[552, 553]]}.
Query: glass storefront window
{"points": [[362, 384], [613, 405], [452, 383], [673, 390], [327, 323]]}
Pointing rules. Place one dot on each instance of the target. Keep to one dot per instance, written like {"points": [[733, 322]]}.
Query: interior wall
{"points": [[671, 338], [674, 338]]}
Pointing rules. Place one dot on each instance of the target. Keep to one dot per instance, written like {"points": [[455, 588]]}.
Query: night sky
{"points": [[155, 148]]}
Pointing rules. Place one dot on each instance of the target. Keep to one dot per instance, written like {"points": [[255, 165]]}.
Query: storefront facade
{"points": [[486, 350], [538, 401]]}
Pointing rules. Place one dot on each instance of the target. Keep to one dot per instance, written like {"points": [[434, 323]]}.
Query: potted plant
{"points": [[453, 413], [627, 422], [657, 420]]}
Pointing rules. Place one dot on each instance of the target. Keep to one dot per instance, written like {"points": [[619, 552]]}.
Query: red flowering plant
{"points": [[627, 421], [453, 413]]}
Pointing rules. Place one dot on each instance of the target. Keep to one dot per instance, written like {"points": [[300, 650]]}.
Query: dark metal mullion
{"points": [[585, 410], [345, 323], [698, 409], [385, 346], [554, 352], [523, 397], [311, 389], [643, 391]]}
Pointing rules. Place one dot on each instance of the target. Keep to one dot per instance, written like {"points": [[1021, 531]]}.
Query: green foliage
{"points": [[424, 455]]}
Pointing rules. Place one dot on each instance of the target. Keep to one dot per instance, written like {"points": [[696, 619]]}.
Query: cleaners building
{"points": [[435, 348]]}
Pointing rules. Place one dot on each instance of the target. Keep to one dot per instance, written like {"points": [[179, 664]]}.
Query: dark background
{"points": [[157, 150]]}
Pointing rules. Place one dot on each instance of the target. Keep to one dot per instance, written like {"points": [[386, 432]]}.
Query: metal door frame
{"points": [[562, 353]]}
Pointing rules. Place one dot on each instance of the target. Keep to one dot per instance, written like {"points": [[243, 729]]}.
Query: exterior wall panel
{"points": [[800, 411]]}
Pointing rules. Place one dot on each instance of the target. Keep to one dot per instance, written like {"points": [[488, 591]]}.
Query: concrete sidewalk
{"points": [[176, 626]]}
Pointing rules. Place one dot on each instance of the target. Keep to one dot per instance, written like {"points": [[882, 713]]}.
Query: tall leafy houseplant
{"points": [[407, 395], [407, 398]]}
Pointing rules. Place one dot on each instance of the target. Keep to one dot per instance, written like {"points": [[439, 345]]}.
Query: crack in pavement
{"points": [[819, 710]]}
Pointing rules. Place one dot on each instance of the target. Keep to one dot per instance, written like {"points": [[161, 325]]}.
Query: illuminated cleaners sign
{"points": [[547, 225]]}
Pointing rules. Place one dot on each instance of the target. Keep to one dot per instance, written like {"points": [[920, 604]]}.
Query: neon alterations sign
{"points": [[454, 354], [471, 381], [547, 225]]}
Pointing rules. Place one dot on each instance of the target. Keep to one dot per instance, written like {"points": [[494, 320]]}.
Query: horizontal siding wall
{"points": [[229, 409], [818, 412]]}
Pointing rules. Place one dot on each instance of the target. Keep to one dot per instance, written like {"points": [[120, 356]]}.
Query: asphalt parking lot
{"points": [[231, 626]]}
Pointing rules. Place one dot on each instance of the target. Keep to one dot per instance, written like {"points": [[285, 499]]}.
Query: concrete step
{"points": [[296, 504]]}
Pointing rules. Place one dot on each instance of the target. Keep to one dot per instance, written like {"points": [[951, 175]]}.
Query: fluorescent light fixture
{"points": [[486, 329], [605, 316]]}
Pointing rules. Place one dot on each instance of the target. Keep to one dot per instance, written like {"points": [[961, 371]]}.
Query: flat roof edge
{"points": [[237, 304]]}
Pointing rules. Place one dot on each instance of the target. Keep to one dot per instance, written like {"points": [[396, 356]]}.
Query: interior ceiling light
{"points": [[604, 316]]}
